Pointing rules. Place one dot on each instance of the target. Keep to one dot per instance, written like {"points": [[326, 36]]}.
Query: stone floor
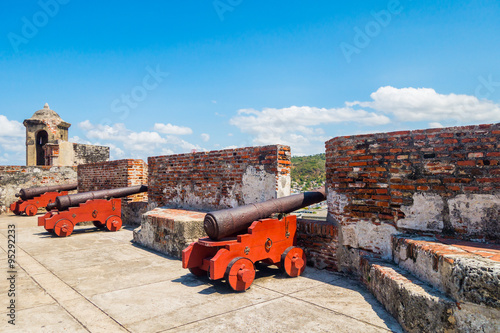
{"points": [[97, 281]]}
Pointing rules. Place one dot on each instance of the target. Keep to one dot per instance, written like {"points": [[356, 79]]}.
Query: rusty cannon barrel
{"points": [[227, 222], [30, 193], [73, 200]]}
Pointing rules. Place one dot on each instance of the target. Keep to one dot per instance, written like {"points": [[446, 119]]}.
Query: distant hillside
{"points": [[308, 171]]}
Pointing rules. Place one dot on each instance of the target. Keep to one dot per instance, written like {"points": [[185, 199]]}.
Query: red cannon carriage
{"points": [[103, 208], [30, 199], [268, 240]]}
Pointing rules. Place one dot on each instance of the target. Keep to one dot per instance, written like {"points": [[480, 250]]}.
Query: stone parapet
{"points": [[219, 179]]}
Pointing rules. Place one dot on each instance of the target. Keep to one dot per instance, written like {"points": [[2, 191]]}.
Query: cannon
{"points": [[102, 207], [30, 199], [230, 253]]}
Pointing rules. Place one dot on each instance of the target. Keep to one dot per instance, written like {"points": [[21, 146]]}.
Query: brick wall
{"points": [[442, 181], [319, 239], [14, 178], [113, 174], [219, 179]]}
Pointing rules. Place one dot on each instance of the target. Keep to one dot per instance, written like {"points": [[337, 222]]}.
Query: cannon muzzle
{"points": [[30, 193], [227, 222], [73, 200]]}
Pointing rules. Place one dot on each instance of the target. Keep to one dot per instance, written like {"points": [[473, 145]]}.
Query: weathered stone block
{"points": [[417, 306], [170, 231], [464, 276]]}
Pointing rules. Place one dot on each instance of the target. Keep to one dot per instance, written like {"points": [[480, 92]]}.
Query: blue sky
{"points": [[164, 77]]}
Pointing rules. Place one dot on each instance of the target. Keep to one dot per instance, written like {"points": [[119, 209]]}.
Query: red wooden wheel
{"points": [[197, 271], [31, 210], [293, 261], [99, 224], [113, 223], [63, 228], [240, 273]]}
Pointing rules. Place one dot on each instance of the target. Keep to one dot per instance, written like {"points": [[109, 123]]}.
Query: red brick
{"points": [[466, 163], [403, 187], [475, 155]]}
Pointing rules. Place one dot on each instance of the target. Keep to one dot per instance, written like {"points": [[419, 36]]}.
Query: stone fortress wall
{"points": [[442, 181]]}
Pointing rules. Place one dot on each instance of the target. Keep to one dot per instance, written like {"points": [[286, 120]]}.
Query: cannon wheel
{"points": [[113, 223], [63, 228], [197, 271], [31, 210], [99, 224], [293, 261], [240, 273]]}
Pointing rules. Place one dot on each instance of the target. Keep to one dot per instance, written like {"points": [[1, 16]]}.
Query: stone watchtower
{"points": [[45, 126]]}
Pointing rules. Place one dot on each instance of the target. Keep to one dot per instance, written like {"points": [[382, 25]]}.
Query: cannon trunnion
{"points": [[103, 208], [30, 199]]}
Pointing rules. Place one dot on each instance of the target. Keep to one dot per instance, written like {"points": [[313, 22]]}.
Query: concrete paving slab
{"points": [[56, 287], [75, 242], [109, 277], [30, 264], [349, 298], [43, 319], [18, 221], [92, 317], [69, 260], [272, 278], [125, 234], [28, 294], [181, 300], [280, 315]]}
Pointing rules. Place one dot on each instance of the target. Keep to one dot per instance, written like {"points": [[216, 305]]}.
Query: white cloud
{"points": [[172, 129], [186, 146], [12, 134], [303, 128], [299, 127], [11, 128], [144, 141], [425, 104], [125, 143], [86, 125], [166, 151], [205, 137], [435, 125], [77, 139]]}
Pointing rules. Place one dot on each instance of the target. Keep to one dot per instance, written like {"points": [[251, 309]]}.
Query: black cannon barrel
{"points": [[227, 222], [73, 200], [29, 193]]}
